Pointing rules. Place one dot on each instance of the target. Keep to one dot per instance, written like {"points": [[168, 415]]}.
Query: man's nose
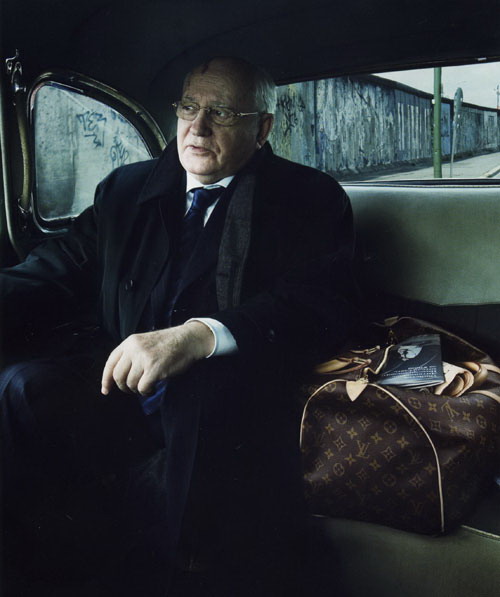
{"points": [[200, 126]]}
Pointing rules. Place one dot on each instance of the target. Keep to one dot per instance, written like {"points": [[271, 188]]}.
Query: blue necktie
{"points": [[192, 226]]}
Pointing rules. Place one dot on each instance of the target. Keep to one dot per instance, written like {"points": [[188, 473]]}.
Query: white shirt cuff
{"points": [[224, 342]]}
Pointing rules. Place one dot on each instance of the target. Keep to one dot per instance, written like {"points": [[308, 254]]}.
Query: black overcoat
{"points": [[274, 267]]}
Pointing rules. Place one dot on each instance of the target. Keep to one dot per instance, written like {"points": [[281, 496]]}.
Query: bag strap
{"points": [[493, 368], [487, 393]]}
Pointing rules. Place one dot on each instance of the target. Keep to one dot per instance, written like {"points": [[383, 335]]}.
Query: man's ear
{"points": [[266, 124]]}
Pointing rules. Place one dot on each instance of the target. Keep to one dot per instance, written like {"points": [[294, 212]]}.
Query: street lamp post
{"points": [[457, 105], [436, 146]]}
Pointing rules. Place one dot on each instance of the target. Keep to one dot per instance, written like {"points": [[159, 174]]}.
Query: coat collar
{"points": [[164, 176]]}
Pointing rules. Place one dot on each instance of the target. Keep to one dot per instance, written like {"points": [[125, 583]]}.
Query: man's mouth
{"points": [[198, 149]]}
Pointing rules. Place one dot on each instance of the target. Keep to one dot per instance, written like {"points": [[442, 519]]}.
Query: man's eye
{"points": [[188, 108], [222, 114]]}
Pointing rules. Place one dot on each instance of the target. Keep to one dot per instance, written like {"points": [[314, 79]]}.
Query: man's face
{"points": [[209, 151]]}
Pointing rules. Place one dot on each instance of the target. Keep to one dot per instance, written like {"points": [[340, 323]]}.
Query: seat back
{"points": [[432, 251]]}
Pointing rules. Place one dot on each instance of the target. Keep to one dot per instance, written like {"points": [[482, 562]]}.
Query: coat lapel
{"points": [[235, 236], [235, 241], [206, 252], [160, 209]]}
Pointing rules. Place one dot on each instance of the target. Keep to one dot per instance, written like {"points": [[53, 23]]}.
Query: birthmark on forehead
{"points": [[204, 67]]}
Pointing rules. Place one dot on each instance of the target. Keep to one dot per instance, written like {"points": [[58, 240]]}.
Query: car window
{"points": [[381, 127], [78, 140]]}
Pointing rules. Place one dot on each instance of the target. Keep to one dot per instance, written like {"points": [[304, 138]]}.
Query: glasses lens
{"points": [[218, 115], [187, 110], [223, 116]]}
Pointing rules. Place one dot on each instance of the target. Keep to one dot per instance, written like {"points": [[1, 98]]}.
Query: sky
{"points": [[478, 81]]}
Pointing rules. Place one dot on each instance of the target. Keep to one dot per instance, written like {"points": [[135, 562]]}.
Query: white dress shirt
{"points": [[224, 342]]}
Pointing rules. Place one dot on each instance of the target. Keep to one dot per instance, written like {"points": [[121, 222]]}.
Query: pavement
{"points": [[481, 166]]}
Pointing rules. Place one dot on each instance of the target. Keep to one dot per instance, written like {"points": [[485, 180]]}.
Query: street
{"points": [[482, 166]]}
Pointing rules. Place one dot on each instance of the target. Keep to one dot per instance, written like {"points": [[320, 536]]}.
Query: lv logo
{"points": [[362, 449]]}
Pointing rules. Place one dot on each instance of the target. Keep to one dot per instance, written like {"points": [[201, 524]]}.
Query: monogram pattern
{"points": [[401, 457]]}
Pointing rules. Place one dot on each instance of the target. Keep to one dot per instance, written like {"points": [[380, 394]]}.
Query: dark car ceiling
{"points": [[142, 47]]}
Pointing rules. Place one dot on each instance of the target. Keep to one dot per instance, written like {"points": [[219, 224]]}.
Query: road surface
{"points": [[481, 166]]}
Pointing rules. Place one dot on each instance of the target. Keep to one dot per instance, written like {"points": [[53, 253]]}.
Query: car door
{"points": [[64, 132]]}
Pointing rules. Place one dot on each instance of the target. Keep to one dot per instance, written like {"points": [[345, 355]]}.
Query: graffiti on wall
{"points": [[118, 153], [93, 125], [349, 125], [291, 107]]}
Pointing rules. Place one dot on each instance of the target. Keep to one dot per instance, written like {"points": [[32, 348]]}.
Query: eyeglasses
{"points": [[217, 114]]}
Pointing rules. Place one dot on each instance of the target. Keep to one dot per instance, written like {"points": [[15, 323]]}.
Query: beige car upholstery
{"points": [[436, 244], [434, 251]]}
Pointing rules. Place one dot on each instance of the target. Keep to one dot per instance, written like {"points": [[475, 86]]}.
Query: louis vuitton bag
{"points": [[411, 458]]}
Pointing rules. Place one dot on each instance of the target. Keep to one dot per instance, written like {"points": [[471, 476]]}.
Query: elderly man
{"points": [[221, 273]]}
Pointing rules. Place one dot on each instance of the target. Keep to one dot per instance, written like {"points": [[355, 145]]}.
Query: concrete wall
{"points": [[78, 141], [360, 124], [478, 131]]}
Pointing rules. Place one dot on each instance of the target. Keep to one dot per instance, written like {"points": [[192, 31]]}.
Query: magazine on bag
{"points": [[415, 362]]}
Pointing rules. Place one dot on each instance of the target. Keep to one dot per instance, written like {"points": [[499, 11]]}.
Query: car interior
{"points": [[426, 248]]}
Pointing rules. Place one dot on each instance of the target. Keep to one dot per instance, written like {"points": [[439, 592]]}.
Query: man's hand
{"points": [[144, 359]]}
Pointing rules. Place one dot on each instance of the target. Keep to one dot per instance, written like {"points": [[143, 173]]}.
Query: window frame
{"points": [[137, 116]]}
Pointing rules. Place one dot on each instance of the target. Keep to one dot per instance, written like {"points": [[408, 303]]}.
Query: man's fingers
{"points": [[148, 382], [133, 377], [107, 374], [121, 372], [142, 360]]}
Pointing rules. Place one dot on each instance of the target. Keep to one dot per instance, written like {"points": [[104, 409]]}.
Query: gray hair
{"points": [[265, 91], [261, 81]]}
